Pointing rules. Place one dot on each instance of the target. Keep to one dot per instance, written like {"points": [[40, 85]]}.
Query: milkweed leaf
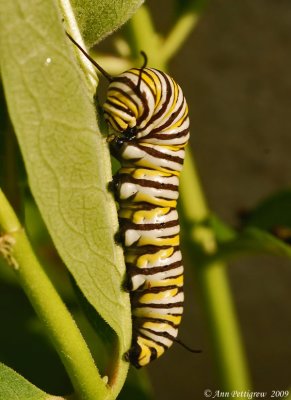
{"points": [[65, 155], [14, 387], [271, 212], [253, 241], [97, 19]]}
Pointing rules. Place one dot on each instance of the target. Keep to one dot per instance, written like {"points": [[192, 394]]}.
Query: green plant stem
{"points": [[159, 51], [213, 282], [51, 310], [142, 35], [178, 35]]}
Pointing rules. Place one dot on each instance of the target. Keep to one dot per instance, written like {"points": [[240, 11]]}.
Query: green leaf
{"points": [[66, 158], [272, 212], [253, 241], [262, 241], [267, 229], [99, 18], [14, 387]]}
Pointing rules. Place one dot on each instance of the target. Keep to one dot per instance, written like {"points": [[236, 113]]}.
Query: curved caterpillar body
{"points": [[148, 110]]}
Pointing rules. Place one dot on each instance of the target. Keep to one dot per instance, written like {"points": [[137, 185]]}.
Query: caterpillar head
{"points": [[130, 103], [147, 104], [144, 103]]}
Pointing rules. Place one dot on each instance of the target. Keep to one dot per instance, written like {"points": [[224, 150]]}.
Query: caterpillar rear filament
{"points": [[148, 112]]}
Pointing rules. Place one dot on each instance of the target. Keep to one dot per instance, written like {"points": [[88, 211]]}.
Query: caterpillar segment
{"points": [[148, 112]]}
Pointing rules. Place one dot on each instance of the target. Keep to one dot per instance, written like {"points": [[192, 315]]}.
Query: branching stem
{"points": [[177, 36]]}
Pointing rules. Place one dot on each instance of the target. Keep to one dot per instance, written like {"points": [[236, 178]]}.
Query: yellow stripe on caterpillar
{"points": [[142, 197], [150, 298], [144, 260], [141, 313], [168, 282], [150, 241]]}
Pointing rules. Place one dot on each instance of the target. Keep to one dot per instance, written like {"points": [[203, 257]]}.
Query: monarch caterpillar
{"points": [[148, 110]]}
